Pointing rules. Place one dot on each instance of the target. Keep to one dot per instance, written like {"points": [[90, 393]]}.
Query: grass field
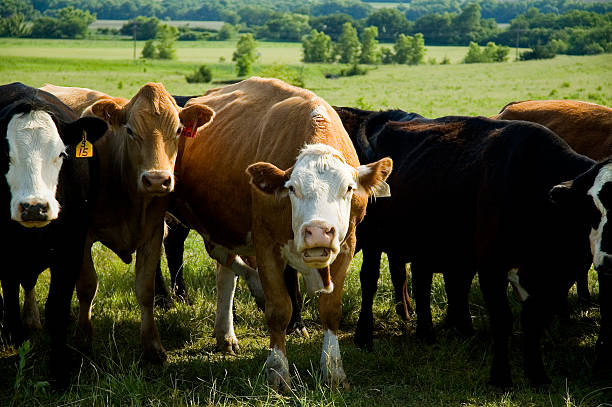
{"points": [[400, 370]]}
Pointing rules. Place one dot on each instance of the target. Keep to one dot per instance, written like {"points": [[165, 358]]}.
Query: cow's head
{"points": [[321, 186], [589, 197], [37, 143], [151, 124]]}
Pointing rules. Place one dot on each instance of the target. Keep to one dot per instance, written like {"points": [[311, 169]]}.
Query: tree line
{"points": [[547, 31]]}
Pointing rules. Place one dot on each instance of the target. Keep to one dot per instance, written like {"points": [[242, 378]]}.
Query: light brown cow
{"points": [[276, 175], [136, 159], [587, 127], [81, 99]]}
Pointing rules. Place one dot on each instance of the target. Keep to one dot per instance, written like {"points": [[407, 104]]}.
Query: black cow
{"points": [[43, 192], [473, 194]]}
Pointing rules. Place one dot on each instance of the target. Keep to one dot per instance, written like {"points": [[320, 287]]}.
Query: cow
{"points": [[587, 128], [505, 199], [44, 192], [276, 176], [136, 160]]}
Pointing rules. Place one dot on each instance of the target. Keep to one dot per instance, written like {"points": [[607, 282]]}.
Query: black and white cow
{"points": [[497, 197], [43, 192]]}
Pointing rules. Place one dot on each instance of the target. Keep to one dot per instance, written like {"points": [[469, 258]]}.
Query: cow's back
{"points": [[255, 120], [587, 127], [78, 99]]}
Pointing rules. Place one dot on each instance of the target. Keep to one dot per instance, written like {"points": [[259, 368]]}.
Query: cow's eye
{"points": [[349, 189], [291, 189], [129, 132], [179, 131]]}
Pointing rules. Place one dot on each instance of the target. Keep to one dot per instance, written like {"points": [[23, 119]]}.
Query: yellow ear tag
{"points": [[85, 148]]}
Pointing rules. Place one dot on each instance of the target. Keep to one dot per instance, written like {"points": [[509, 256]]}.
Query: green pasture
{"points": [[400, 370]]}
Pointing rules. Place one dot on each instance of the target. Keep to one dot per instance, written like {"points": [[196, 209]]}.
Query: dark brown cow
{"points": [[298, 202], [136, 160]]}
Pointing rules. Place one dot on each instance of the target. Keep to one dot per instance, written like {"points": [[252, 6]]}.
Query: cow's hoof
{"points": [[228, 345], [164, 302], [426, 335], [277, 371], [299, 329], [155, 356]]}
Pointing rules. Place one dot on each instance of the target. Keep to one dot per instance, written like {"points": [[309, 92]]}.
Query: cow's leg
{"points": [[532, 323], [147, 259], [494, 285], [86, 288], [163, 298], [421, 290], [278, 314], [292, 283], [31, 314], [12, 318], [457, 284], [174, 245], [397, 268], [368, 276], [224, 321], [603, 347], [582, 285], [64, 275], [330, 310]]}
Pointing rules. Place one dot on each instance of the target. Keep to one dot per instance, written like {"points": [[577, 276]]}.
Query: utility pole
{"points": [[134, 35]]}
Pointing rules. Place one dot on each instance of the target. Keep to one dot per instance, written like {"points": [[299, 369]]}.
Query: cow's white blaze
{"points": [[320, 187], [604, 176], [35, 150]]}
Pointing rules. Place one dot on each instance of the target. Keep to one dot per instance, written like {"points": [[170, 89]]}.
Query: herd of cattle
{"points": [[276, 181]]}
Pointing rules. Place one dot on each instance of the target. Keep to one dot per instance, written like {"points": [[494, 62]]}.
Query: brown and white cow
{"points": [[136, 159], [275, 175]]}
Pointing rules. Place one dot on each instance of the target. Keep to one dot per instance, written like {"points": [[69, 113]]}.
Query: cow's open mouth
{"points": [[35, 223], [316, 254]]}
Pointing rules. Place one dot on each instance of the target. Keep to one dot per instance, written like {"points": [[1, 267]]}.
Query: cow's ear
{"points": [[72, 133], [267, 178], [562, 194], [196, 116], [372, 178], [110, 111]]}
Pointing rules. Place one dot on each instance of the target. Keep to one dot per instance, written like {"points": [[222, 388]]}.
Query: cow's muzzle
{"points": [[33, 214], [157, 182]]}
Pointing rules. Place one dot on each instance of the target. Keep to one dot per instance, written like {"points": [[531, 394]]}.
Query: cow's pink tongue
{"points": [[316, 252]]}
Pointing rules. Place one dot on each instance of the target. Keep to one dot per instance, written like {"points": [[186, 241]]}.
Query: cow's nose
{"points": [[157, 182], [33, 211], [318, 235]]}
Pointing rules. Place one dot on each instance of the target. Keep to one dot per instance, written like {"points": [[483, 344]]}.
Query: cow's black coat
{"points": [[59, 245], [472, 194]]}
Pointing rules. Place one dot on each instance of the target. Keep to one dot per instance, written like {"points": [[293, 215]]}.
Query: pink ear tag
{"points": [[190, 132]]}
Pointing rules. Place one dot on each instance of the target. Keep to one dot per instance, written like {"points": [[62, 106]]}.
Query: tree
{"points": [[390, 23], [201, 75], [331, 24], [409, 50], [285, 27], [226, 32], [317, 47], [149, 51], [68, 22], [245, 55], [144, 28], [166, 37], [369, 46], [491, 53], [348, 45], [15, 26]]}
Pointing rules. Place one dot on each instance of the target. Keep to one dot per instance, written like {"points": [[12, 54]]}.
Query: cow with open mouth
{"points": [[276, 176], [44, 190]]}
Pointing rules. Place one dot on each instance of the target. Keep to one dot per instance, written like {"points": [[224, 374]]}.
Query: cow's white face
{"points": [[601, 234], [36, 154], [320, 188]]}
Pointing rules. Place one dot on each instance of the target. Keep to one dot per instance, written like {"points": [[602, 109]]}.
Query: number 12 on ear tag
{"points": [[85, 148]]}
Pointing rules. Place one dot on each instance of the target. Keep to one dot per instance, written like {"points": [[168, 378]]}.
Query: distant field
{"points": [[211, 25], [400, 370]]}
